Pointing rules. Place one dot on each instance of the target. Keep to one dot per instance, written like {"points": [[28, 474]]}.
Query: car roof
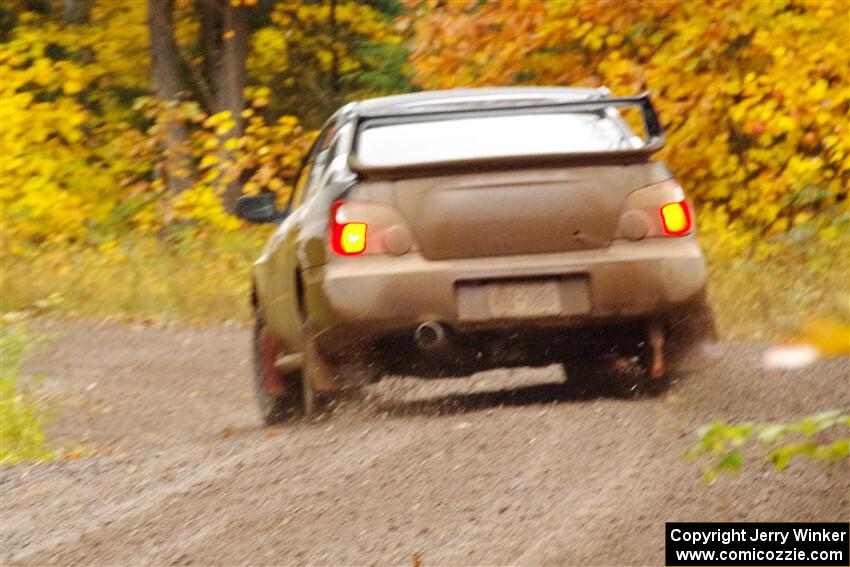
{"points": [[468, 99]]}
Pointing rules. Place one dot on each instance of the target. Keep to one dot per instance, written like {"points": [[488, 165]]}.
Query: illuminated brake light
{"points": [[352, 240], [347, 238], [676, 218]]}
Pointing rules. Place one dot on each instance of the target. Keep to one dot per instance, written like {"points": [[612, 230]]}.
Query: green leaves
{"points": [[21, 435], [720, 443]]}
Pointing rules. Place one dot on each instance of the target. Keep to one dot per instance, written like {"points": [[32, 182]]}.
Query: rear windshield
{"points": [[492, 137]]}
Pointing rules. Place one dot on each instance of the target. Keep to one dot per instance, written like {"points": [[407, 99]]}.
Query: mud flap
{"points": [[657, 366], [691, 330], [318, 373], [273, 379]]}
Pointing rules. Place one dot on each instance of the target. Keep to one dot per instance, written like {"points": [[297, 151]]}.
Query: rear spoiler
{"points": [[655, 135]]}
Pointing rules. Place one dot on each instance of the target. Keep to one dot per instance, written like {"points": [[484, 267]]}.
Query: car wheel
{"points": [[279, 396]]}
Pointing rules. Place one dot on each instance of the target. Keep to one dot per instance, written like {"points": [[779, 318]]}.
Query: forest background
{"points": [[130, 127]]}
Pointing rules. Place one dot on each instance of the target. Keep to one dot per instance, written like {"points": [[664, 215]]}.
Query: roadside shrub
{"points": [[182, 277], [21, 419], [722, 443], [765, 288]]}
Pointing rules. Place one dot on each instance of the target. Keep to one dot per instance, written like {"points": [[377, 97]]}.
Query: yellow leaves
{"points": [[829, 140], [216, 120], [71, 87], [750, 124], [823, 117], [202, 203], [819, 89], [828, 336], [261, 156], [731, 87], [802, 218], [208, 161], [221, 123], [111, 251], [299, 39], [595, 36], [325, 59]]}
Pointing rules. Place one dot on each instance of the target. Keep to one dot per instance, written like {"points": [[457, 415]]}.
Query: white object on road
{"points": [[789, 357]]}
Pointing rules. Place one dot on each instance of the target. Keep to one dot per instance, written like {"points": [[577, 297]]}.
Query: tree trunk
{"points": [[224, 34], [165, 72], [76, 11]]}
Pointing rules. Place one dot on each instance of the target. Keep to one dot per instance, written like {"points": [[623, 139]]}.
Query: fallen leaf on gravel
{"points": [[77, 453], [272, 432], [283, 522], [227, 431]]}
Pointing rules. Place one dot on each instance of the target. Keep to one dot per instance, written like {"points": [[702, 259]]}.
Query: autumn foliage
{"points": [[754, 97], [83, 135]]}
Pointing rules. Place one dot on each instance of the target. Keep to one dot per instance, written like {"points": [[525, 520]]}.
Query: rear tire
{"points": [[273, 408]]}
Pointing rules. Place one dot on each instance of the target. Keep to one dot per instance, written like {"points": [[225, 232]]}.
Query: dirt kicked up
{"points": [[503, 468]]}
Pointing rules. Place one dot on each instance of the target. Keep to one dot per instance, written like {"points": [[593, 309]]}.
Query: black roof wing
{"points": [[655, 133]]}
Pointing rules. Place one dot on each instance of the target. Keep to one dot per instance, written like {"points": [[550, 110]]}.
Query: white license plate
{"points": [[524, 299]]}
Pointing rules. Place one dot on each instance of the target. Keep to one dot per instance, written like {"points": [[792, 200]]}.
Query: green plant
{"points": [[722, 442], [21, 420]]}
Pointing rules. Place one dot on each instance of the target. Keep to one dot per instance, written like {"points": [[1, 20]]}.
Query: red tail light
{"points": [[348, 238], [676, 218]]}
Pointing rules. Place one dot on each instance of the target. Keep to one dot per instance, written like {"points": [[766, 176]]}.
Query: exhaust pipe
{"points": [[430, 335]]}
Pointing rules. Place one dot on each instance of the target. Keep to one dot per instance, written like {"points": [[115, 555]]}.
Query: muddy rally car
{"points": [[443, 233]]}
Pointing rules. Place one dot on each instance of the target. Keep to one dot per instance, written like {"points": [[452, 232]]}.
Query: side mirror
{"points": [[258, 208]]}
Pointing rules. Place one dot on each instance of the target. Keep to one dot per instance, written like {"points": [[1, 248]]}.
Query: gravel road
{"points": [[502, 468]]}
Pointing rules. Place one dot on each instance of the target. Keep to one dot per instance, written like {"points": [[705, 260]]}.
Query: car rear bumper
{"points": [[356, 299]]}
